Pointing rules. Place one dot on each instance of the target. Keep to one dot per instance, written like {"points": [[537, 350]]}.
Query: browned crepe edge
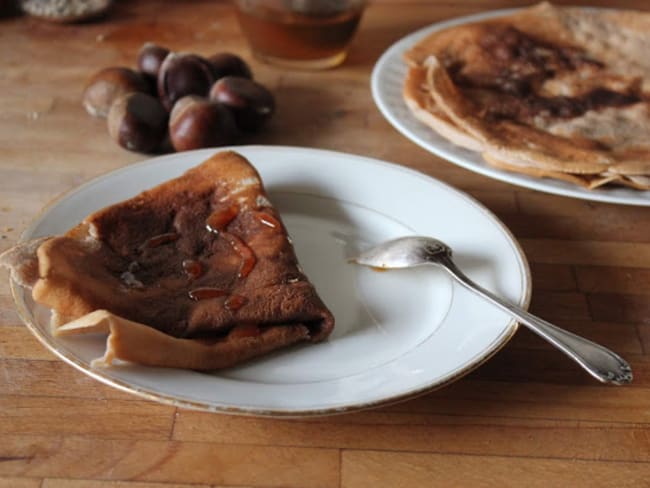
{"points": [[55, 289], [589, 182], [424, 109], [22, 262], [138, 343]]}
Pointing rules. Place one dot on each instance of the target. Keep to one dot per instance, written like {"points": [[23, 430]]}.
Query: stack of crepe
{"points": [[548, 91]]}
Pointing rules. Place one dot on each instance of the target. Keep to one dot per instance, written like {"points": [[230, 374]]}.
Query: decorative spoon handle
{"points": [[600, 362]]}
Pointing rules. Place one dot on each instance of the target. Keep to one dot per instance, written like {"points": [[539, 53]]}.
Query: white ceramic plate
{"points": [[398, 333], [387, 79]]}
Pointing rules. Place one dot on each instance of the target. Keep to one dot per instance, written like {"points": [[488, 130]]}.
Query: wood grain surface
{"points": [[528, 417]]}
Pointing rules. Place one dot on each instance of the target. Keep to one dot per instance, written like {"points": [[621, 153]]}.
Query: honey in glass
{"points": [[307, 34]]}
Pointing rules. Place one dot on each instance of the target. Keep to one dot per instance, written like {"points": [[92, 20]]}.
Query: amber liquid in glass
{"points": [[297, 36]]}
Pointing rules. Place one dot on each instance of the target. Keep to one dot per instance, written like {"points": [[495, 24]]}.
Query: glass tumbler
{"points": [[304, 34]]}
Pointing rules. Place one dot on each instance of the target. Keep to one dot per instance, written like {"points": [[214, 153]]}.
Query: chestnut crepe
{"points": [[548, 91], [197, 272]]}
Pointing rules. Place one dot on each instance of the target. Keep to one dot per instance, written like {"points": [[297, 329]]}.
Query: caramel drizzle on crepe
{"points": [[547, 92], [197, 273]]}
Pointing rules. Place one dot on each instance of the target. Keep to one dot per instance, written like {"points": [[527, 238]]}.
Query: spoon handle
{"points": [[600, 362]]}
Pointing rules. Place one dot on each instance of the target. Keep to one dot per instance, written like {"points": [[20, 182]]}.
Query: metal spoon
{"points": [[407, 252]]}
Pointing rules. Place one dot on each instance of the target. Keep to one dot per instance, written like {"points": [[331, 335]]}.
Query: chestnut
{"points": [[195, 122], [150, 58], [183, 74], [228, 64], [251, 103], [108, 84], [138, 122]]}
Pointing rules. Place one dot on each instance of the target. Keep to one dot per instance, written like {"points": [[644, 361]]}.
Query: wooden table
{"points": [[528, 417]]}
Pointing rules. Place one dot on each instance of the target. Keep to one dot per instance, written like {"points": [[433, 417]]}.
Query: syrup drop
{"points": [[161, 239], [206, 293], [246, 253], [221, 217], [235, 302], [268, 220], [193, 268], [244, 330]]}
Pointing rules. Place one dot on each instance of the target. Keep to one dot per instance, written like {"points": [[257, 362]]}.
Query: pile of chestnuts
{"points": [[178, 100]]}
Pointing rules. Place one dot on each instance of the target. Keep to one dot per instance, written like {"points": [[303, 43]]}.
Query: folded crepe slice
{"points": [[198, 273]]}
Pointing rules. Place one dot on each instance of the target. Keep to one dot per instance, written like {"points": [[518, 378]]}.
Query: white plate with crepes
{"points": [[398, 333], [387, 83]]}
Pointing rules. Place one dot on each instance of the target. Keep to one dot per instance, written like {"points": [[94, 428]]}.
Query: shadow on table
{"points": [[534, 381], [303, 114]]}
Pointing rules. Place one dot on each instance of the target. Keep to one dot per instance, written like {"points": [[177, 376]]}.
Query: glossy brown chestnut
{"points": [[251, 103], [150, 58], [108, 84], [138, 122], [228, 64], [183, 74], [195, 122]]}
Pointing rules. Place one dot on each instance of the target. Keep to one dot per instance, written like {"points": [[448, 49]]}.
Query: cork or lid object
{"points": [[65, 11]]}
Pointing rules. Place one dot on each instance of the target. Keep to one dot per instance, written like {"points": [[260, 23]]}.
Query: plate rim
{"points": [[46, 340], [545, 185]]}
